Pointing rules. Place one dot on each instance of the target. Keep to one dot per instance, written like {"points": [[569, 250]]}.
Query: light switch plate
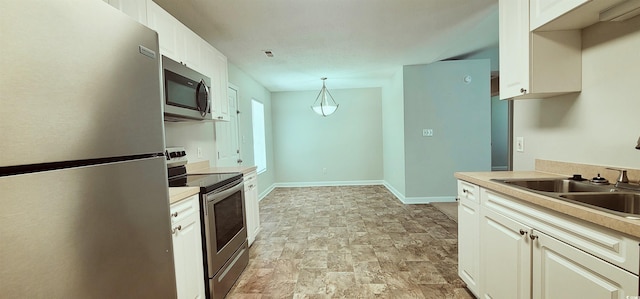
{"points": [[520, 144]]}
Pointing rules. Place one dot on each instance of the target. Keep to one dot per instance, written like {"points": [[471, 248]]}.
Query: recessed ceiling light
{"points": [[268, 53]]}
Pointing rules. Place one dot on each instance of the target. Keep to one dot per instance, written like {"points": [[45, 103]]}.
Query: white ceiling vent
{"points": [[623, 11], [268, 53]]}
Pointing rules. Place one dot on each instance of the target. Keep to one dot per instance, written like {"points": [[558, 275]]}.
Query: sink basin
{"points": [[605, 198], [556, 185], [622, 202]]}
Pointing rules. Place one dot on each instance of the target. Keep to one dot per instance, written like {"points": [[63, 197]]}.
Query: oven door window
{"points": [[229, 219]]}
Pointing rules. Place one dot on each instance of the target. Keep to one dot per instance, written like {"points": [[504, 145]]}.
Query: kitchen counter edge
{"points": [[243, 169], [611, 221]]}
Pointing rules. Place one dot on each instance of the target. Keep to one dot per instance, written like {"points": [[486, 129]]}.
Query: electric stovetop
{"points": [[206, 182]]}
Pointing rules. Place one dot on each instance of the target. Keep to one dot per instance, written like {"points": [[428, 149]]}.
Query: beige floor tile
{"points": [[350, 242]]}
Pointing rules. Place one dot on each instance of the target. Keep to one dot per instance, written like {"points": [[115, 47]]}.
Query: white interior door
{"points": [[227, 133]]}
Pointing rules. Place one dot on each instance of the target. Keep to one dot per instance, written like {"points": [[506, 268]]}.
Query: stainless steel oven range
{"points": [[224, 231]]}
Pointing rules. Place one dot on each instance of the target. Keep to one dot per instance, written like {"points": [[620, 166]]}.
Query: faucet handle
{"points": [[623, 175]]}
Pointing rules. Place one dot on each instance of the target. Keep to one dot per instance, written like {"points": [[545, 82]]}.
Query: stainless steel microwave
{"points": [[186, 92]]}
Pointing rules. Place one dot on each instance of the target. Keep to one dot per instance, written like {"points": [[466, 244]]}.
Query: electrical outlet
{"points": [[199, 152], [520, 144], [427, 132]]}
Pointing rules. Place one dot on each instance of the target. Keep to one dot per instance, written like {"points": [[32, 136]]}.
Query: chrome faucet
{"points": [[622, 178], [623, 181]]}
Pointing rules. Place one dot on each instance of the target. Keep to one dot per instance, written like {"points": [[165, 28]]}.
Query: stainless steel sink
{"points": [[557, 185], [622, 202], [605, 198]]}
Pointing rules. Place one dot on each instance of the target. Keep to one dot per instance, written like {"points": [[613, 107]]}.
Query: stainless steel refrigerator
{"points": [[84, 209]]}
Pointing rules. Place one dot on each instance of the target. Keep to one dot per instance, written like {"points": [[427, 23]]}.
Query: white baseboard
{"points": [[426, 200], [396, 193], [330, 183], [266, 192]]}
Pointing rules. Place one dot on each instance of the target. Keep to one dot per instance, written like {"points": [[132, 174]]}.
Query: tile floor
{"points": [[350, 242]]}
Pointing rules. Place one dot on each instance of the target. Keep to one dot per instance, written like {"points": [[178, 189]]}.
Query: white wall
{"points": [[250, 89], [435, 97], [601, 124], [192, 135], [348, 143], [499, 134], [393, 134]]}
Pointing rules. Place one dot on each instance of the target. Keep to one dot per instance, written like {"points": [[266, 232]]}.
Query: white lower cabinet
{"points": [[529, 252], [505, 257], [187, 248], [562, 271], [251, 205], [468, 236]]}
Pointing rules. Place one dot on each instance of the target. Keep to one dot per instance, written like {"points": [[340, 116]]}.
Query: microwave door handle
{"points": [[203, 85], [208, 99]]}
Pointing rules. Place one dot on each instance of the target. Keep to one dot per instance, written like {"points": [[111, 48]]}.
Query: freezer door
{"points": [[88, 232], [79, 80]]}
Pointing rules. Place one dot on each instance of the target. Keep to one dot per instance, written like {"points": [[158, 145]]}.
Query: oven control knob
{"points": [[183, 153]]}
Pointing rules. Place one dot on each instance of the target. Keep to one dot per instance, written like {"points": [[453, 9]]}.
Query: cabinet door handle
{"points": [[522, 90], [175, 230], [522, 232], [457, 198], [175, 214], [219, 117], [464, 191], [533, 237]]}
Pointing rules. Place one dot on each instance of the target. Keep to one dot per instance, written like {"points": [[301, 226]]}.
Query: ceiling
{"points": [[355, 43]]}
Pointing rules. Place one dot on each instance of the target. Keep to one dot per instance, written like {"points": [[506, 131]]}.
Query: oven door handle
{"points": [[224, 193]]}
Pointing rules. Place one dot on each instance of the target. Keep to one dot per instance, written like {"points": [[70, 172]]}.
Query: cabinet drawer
{"points": [[604, 243], [184, 208], [468, 191], [250, 181]]}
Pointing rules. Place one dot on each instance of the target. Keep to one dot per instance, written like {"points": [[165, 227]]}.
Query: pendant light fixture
{"points": [[324, 105]]}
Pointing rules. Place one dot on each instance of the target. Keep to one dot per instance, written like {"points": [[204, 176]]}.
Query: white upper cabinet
{"points": [[216, 68], [192, 49], [169, 31], [137, 9], [176, 40], [181, 44], [545, 11], [536, 64], [549, 15]]}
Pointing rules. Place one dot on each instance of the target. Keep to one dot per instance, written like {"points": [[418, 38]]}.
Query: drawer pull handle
{"points": [[533, 237], [464, 191], [522, 232], [175, 214]]}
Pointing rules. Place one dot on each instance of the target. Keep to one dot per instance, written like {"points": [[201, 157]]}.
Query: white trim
{"points": [[330, 183], [426, 200], [394, 191], [266, 192]]}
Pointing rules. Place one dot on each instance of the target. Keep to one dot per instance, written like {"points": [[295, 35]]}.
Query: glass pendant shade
{"points": [[324, 105]]}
